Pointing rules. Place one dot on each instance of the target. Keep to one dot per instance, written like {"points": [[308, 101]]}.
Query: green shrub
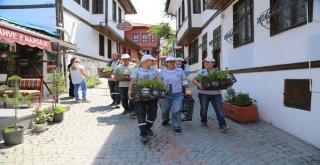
{"points": [[92, 81], [239, 99], [43, 115], [60, 109], [8, 130]]}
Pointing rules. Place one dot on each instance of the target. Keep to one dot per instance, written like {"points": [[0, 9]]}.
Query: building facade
{"points": [[141, 36], [90, 24], [270, 46]]}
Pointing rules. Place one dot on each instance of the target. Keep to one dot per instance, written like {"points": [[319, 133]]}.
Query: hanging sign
{"points": [[24, 39], [124, 26]]}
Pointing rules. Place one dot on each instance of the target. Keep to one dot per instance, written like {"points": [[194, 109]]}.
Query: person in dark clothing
{"points": [[71, 87], [114, 85]]}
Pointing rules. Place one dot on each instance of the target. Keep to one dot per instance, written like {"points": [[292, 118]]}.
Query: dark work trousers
{"points": [[114, 88], [146, 114], [126, 103], [71, 87]]}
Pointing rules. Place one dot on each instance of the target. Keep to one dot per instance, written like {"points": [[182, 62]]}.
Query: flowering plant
{"points": [[43, 115], [7, 57]]}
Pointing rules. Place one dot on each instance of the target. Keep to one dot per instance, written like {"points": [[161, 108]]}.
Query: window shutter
{"points": [[297, 94]]}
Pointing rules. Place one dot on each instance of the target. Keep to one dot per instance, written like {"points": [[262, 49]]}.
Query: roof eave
{"points": [[128, 6]]}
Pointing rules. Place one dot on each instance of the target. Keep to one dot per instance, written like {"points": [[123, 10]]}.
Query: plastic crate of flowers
{"points": [[150, 89], [123, 74], [216, 80], [105, 72]]}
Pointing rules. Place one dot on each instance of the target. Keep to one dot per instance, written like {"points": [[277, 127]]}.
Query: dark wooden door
{"points": [[216, 56]]}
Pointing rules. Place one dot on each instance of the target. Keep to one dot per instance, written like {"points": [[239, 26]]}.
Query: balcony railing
{"points": [[264, 18]]}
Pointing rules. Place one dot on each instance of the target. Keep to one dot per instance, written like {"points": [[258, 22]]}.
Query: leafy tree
{"points": [[166, 49], [163, 31]]}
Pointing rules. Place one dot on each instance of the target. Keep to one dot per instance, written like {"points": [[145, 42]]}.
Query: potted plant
{"points": [[122, 74], [57, 87], [216, 80], [43, 116], [14, 135], [151, 89], [240, 107], [106, 72], [58, 113]]}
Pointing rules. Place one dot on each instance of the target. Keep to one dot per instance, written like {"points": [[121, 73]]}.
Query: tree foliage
{"points": [[163, 31], [166, 49]]}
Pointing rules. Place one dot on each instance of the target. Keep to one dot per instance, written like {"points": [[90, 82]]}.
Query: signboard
{"points": [[124, 26], [24, 39]]}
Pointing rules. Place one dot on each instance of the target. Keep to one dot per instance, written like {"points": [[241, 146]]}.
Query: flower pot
{"points": [[40, 127], [58, 117], [13, 138], [240, 114]]}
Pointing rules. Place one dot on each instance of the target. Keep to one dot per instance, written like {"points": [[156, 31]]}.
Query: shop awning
{"points": [[12, 32], [23, 24], [24, 39]]}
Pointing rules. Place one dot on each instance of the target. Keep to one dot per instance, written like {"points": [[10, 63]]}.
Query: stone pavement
{"points": [[94, 133]]}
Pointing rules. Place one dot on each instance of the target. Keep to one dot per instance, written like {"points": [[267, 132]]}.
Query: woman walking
{"points": [[146, 110], [79, 76], [177, 78], [210, 96]]}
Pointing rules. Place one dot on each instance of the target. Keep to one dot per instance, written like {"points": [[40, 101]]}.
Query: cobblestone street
{"points": [[94, 133]]}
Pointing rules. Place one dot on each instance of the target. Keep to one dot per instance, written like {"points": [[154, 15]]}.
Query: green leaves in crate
{"points": [[215, 75], [151, 84], [107, 69]]}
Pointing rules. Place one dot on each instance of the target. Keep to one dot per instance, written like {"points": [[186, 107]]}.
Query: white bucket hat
{"points": [[179, 59], [147, 57], [125, 56], [210, 59], [170, 58]]}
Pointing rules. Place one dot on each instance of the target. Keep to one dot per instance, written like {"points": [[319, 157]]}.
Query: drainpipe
{"points": [[308, 53]]}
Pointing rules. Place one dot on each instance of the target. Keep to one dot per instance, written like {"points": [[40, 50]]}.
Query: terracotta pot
{"points": [[240, 114]]}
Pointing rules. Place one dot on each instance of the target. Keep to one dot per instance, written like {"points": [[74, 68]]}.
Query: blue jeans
{"points": [[216, 101], [83, 86], [173, 103]]}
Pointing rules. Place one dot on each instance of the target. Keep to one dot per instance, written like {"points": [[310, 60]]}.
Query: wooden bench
{"points": [[28, 86]]}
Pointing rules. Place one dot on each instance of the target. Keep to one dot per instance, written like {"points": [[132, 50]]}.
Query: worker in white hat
{"points": [[181, 63], [213, 96], [126, 67], [172, 104], [146, 110]]}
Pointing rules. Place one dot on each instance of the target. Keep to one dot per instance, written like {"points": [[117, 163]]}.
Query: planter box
{"points": [[240, 114], [151, 95], [145, 95], [219, 85], [103, 74], [122, 77]]}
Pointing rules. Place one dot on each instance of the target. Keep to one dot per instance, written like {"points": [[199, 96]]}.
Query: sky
{"points": [[149, 12]]}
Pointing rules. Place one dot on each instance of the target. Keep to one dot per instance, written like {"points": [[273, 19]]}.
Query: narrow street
{"points": [[94, 133]]}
